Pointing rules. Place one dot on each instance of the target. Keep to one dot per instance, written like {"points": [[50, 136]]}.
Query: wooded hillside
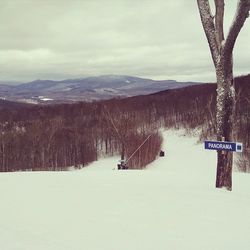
{"points": [[58, 136]]}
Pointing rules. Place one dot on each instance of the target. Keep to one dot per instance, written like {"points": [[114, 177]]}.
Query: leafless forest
{"points": [[58, 136]]}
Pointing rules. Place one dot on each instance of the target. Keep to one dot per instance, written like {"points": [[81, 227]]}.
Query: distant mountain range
{"points": [[85, 89]]}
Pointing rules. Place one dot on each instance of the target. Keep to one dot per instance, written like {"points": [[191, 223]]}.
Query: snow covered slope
{"points": [[170, 205]]}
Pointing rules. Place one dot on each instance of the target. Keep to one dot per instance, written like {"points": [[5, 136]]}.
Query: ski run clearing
{"points": [[171, 205]]}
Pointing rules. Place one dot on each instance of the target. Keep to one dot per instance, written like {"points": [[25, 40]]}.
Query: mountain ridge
{"points": [[86, 89]]}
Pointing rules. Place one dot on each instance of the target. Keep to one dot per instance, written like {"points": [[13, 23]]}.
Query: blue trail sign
{"points": [[224, 145]]}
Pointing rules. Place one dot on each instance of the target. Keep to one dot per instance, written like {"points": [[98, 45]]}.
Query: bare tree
{"points": [[221, 49]]}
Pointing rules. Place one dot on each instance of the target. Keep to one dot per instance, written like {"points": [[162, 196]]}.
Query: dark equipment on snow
{"points": [[122, 165], [162, 153]]}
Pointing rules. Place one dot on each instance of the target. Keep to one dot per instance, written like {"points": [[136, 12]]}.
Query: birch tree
{"points": [[221, 49]]}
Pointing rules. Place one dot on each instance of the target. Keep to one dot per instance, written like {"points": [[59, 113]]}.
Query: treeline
{"points": [[58, 136], [55, 137], [242, 121], [142, 149]]}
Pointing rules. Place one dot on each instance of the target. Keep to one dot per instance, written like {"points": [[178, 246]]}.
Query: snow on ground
{"points": [[31, 101], [170, 205]]}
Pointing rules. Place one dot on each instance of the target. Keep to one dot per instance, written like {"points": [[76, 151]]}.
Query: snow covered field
{"points": [[171, 205]]}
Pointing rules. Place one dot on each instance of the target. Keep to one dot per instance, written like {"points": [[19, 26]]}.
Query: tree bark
{"points": [[224, 119]]}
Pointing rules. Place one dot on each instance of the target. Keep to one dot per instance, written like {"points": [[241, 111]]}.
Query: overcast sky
{"points": [[159, 39]]}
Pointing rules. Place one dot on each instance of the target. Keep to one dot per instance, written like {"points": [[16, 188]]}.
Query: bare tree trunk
{"points": [[221, 50], [3, 156], [224, 117], [123, 151]]}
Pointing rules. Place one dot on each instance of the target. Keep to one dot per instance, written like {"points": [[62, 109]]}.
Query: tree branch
{"points": [[241, 15], [219, 17], [209, 28]]}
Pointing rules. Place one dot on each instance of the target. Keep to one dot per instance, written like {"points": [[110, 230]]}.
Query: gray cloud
{"points": [[59, 39]]}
